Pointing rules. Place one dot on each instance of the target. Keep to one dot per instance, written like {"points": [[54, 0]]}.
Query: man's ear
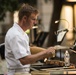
{"points": [[24, 18]]}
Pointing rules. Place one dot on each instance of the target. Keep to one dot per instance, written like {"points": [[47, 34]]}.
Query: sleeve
{"points": [[19, 47]]}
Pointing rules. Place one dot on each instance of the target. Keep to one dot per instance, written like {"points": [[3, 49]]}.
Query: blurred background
{"points": [[50, 11], [54, 15]]}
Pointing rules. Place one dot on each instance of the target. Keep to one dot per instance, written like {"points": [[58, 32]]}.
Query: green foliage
{"points": [[12, 5], [7, 5]]}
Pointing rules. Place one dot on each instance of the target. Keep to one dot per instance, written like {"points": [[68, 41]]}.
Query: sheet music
{"points": [[60, 36]]}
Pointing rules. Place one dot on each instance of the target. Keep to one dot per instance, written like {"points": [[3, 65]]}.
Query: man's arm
{"points": [[37, 55], [35, 49]]}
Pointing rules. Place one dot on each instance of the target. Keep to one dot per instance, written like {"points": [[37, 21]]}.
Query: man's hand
{"points": [[50, 52]]}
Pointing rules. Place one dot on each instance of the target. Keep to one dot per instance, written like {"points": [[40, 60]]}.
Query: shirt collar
{"points": [[19, 28]]}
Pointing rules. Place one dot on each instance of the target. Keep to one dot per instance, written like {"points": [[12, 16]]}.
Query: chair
{"points": [[2, 50]]}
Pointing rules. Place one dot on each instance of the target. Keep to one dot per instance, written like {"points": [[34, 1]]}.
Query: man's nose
{"points": [[36, 22]]}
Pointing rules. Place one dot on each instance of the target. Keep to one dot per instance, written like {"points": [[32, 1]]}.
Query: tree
{"points": [[12, 5], [53, 27], [7, 5]]}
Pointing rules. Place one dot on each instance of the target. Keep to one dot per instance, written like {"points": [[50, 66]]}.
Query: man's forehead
{"points": [[34, 15]]}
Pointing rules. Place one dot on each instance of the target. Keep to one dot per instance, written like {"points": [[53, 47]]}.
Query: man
{"points": [[18, 54]]}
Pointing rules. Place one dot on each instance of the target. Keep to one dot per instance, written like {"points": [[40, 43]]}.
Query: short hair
{"points": [[26, 10]]}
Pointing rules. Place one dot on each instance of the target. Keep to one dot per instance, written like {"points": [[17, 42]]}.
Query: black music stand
{"points": [[60, 37]]}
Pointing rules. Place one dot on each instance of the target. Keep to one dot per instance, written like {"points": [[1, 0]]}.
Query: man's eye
{"points": [[34, 19]]}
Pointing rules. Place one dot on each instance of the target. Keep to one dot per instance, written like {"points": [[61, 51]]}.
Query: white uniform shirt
{"points": [[16, 46]]}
